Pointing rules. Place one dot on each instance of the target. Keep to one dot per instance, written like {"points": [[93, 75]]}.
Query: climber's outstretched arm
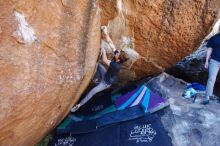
{"points": [[107, 38], [104, 57]]}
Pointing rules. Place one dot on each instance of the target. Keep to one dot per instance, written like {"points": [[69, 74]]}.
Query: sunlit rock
{"points": [[161, 32], [48, 52]]}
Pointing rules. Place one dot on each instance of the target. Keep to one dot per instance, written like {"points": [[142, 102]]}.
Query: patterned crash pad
{"points": [[145, 131]]}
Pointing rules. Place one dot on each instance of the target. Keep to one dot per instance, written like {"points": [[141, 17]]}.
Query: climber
{"points": [[213, 50], [108, 76]]}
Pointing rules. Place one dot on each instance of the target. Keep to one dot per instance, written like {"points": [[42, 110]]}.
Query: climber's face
{"points": [[117, 55]]}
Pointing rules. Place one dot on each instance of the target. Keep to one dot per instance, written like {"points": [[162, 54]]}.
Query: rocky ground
{"points": [[188, 123]]}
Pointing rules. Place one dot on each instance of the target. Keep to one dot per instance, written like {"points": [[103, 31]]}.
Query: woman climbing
{"points": [[108, 76], [213, 50]]}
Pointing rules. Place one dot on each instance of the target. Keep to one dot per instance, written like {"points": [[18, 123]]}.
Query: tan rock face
{"points": [[47, 56], [48, 51], [161, 32]]}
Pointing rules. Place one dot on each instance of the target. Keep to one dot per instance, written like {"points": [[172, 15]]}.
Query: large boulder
{"points": [[191, 68], [49, 49], [157, 34], [48, 55]]}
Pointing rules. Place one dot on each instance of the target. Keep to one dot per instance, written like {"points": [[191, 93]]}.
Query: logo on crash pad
{"points": [[68, 141], [142, 133], [97, 108]]}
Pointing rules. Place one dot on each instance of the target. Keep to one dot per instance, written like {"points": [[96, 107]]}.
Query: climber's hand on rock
{"points": [[104, 29], [206, 65], [103, 50]]}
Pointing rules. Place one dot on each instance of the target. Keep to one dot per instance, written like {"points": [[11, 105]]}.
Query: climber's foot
{"points": [[75, 108]]}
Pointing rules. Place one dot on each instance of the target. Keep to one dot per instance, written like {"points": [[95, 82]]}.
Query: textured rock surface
{"points": [[191, 68], [48, 51], [47, 56], [157, 34]]}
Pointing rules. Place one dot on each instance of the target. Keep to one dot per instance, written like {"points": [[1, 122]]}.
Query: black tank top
{"points": [[111, 75]]}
